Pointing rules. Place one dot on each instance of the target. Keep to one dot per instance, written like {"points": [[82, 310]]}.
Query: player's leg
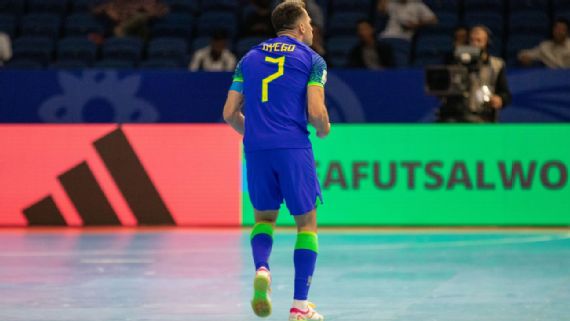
{"points": [[261, 245], [300, 187], [305, 258], [266, 198], [262, 238]]}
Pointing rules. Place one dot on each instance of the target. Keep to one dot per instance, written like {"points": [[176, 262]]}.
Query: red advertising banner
{"points": [[93, 175]]}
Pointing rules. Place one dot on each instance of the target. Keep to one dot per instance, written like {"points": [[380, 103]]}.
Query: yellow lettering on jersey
{"points": [[278, 47]]}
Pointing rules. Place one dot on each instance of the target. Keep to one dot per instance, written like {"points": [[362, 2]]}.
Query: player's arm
{"points": [[233, 107], [318, 115], [317, 111], [232, 111]]}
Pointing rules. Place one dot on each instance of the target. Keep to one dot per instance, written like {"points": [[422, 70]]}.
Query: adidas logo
{"points": [[88, 198]]}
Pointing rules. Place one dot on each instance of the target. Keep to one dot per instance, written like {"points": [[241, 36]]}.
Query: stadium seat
{"points": [[529, 22], [12, 7], [219, 5], [528, 5], [338, 49], [211, 22], [172, 49], [115, 64], [447, 22], [41, 24], [8, 24], [245, 44], [39, 49], [84, 6], [431, 49], [560, 5], [69, 64], [160, 64], [472, 6], [174, 25], [81, 24], [199, 43], [518, 42], [345, 23], [78, 49], [183, 6], [380, 21], [58, 7], [362, 6], [563, 14], [127, 49], [491, 20], [19, 63], [401, 49], [447, 6]]}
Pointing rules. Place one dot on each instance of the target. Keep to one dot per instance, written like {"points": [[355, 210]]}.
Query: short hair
{"points": [[562, 20], [286, 14], [484, 28], [219, 34], [487, 31]]}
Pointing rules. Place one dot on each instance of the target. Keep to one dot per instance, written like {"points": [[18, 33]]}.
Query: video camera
{"points": [[453, 80]]}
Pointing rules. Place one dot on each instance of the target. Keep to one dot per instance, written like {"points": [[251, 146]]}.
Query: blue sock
{"points": [[305, 257], [261, 244]]}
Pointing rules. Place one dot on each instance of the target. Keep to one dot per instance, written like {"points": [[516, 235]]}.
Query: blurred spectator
{"points": [[318, 42], [369, 53], [316, 13], [460, 38], [130, 18], [215, 57], [491, 76], [257, 20], [5, 48], [406, 16], [554, 53]]}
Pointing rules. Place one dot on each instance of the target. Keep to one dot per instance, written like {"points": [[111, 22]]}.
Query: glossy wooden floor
{"points": [[362, 275]]}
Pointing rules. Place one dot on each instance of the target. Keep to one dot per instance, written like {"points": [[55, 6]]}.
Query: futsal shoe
{"points": [[261, 303], [309, 314]]}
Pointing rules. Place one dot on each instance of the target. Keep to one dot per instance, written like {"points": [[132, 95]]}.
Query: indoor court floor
{"points": [[206, 275]]}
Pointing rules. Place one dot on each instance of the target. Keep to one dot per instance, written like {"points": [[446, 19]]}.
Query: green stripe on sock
{"points": [[307, 241], [262, 228]]}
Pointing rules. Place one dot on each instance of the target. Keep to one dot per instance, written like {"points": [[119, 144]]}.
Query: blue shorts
{"points": [[277, 174]]}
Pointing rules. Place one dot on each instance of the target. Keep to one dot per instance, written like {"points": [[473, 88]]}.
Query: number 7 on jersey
{"points": [[265, 82]]}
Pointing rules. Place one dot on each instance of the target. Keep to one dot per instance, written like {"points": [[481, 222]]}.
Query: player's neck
{"points": [[290, 35]]}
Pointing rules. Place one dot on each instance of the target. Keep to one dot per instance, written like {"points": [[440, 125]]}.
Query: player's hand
{"points": [[323, 134]]}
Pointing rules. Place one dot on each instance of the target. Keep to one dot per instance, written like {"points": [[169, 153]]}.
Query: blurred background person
{"points": [[215, 57], [369, 53], [257, 19], [553, 53], [405, 17], [130, 18], [490, 80], [5, 48], [316, 13], [460, 38], [319, 42]]}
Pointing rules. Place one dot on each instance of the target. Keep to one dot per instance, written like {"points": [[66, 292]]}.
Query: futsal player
{"points": [[280, 85]]}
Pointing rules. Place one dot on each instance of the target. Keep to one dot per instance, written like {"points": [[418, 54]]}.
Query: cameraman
{"points": [[489, 74]]}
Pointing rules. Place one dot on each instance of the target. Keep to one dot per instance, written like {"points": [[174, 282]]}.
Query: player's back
{"points": [[275, 77]]}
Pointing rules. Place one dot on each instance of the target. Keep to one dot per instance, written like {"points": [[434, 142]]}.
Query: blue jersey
{"points": [[273, 77]]}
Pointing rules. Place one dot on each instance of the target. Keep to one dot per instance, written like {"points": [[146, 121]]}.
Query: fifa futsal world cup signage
{"points": [[443, 175], [189, 175]]}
